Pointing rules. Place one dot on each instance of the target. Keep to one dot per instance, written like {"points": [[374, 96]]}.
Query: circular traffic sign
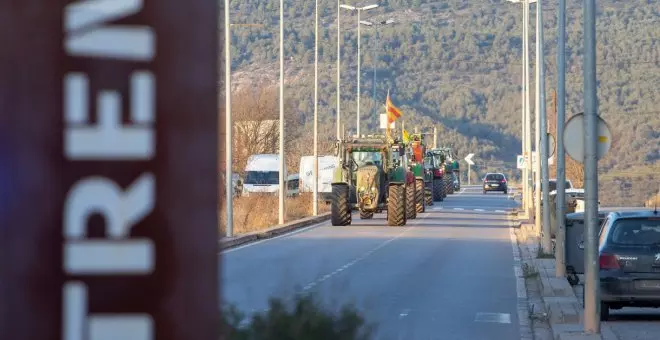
{"points": [[551, 145], [574, 138]]}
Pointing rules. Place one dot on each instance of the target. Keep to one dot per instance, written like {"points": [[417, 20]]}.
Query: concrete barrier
{"points": [[235, 241]]}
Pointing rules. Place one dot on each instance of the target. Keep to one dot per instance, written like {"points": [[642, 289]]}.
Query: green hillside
{"points": [[456, 65]]}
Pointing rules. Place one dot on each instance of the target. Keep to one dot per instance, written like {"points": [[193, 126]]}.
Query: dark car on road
{"points": [[495, 182], [629, 258]]}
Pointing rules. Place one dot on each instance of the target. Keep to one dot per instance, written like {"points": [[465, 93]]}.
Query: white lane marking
{"points": [[364, 256], [459, 209], [521, 289], [274, 238], [500, 211], [479, 210], [493, 317], [404, 313]]}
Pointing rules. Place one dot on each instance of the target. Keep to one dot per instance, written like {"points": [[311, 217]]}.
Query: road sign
{"points": [[468, 159], [534, 156], [106, 235], [574, 137], [520, 162], [383, 122]]}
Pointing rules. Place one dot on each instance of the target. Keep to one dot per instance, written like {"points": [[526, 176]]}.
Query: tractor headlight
{"points": [[361, 188]]}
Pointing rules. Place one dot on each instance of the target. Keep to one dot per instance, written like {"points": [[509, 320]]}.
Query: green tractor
{"points": [[440, 175], [420, 165], [371, 178], [453, 165], [445, 158]]}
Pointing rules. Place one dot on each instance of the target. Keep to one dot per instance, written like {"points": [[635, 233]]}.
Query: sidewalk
{"points": [[557, 313]]}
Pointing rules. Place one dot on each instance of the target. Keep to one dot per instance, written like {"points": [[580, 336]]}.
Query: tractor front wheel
{"points": [[420, 202], [366, 215], [340, 214], [396, 205], [411, 211]]}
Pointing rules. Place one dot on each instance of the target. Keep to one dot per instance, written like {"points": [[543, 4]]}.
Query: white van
{"points": [[262, 175], [327, 166]]}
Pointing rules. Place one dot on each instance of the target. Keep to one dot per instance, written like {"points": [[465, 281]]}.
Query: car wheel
{"points": [[604, 311]]}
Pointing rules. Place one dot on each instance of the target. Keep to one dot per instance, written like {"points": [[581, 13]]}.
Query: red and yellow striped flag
{"points": [[393, 113]]}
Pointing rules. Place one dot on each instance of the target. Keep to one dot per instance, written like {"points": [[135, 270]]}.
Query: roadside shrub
{"points": [[303, 320]]}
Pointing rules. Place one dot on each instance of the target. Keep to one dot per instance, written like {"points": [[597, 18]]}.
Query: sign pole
{"points": [[592, 286]]}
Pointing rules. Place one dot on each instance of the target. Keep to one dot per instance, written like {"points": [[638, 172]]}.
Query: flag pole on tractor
{"points": [[393, 113], [387, 109]]}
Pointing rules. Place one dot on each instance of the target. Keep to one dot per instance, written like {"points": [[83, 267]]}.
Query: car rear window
{"points": [[636, 231], [494, 177]]}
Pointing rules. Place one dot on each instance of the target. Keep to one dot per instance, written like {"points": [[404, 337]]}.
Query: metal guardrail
{"points": [[232, 242]]}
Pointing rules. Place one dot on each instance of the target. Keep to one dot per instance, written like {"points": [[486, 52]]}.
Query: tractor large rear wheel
{"points": [[420, 202], [411, 211], [447, 182], [438, 190], [340, 214], [396, 205]]}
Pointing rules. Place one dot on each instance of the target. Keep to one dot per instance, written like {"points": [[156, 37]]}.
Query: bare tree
{"points": [[256, 124]]}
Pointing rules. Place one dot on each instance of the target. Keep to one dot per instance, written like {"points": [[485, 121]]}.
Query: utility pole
{"points": [[468, 174], [560, 251], [229, 184], [591, 280], [546, 240], [315, 196], [282, 192]]}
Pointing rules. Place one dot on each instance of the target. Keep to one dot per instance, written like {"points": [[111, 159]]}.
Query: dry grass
{"points": [[261, 212]]}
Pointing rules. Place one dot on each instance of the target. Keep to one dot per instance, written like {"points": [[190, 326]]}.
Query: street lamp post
{"points": [[338, 71], [315, 197], [526, 112], [542, 123], [382, 23], [528, 109], [229, 185], [359, 11], [282, 192]]}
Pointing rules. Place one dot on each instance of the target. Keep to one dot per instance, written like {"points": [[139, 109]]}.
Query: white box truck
{"points": [[327, 166]]}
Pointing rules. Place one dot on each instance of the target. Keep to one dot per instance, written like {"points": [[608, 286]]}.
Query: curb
{"points": [[232, 242]]}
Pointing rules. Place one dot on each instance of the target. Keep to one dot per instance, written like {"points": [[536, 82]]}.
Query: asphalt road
{"points": [[447, 275]]}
